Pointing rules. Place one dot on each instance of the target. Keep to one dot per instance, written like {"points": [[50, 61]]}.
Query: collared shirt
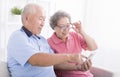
{"points": [[21, 46], [73, 44]]}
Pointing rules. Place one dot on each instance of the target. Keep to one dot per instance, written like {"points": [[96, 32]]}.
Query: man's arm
{"points": [[46, 59]]}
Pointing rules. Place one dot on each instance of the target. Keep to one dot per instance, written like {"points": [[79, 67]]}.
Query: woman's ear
{"points": [[55, 28]]}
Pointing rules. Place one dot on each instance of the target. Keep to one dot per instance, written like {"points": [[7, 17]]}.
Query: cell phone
{"points": [[90, 56]]}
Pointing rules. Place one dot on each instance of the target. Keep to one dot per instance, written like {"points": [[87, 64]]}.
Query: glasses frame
{"points": [[64, 27]]}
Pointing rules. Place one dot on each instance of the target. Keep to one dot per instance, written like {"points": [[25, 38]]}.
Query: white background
{"points": [[100, 19]]}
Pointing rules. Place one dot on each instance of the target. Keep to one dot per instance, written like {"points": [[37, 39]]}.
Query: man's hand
{"points": [[81, 64], [75, 58]]}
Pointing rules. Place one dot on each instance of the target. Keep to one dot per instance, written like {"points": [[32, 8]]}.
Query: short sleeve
{"points": [[20, 49], [81, 41]]}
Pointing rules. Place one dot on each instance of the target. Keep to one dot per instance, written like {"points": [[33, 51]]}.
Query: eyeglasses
{"points": [[64, 27]]}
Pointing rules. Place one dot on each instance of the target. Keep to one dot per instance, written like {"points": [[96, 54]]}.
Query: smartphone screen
{"points": [[90, 56]]}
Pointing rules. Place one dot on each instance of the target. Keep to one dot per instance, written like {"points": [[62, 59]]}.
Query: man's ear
{"points": [[26, 19]]}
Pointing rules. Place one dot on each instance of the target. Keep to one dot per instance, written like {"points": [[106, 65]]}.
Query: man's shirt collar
{"points": [[27, 31]]}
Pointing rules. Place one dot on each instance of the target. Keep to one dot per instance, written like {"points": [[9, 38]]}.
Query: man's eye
{"points": [[42, 19]]}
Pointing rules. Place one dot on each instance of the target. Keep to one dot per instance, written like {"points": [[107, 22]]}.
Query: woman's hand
{"points": [[84, 66], [77, 26]]}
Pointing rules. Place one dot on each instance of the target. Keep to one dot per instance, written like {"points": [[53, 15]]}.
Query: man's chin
{"points": [[38, 32]]}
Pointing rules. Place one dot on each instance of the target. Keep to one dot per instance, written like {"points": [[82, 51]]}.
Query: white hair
{"points": [[29, 9]]}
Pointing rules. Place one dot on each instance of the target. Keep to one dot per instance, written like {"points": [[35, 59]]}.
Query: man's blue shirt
{"points": [[21, 46]]}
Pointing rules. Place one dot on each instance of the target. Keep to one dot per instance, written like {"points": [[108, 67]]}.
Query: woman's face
{"points": [[62, 28]]}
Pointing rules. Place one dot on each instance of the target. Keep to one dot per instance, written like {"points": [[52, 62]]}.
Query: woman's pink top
{"points": [[74, 44]]}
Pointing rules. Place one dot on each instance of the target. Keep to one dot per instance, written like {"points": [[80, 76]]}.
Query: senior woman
{"points": [[65, 41]]}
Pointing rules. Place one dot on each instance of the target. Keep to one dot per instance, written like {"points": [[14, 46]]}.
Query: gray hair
{"points": [[56, 17], [29, 9]]}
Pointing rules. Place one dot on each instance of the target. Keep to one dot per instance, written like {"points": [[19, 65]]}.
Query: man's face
{"points": [[36, 22]]}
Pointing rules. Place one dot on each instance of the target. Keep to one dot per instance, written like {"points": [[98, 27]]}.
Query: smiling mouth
{"points": [[64, 33]]}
